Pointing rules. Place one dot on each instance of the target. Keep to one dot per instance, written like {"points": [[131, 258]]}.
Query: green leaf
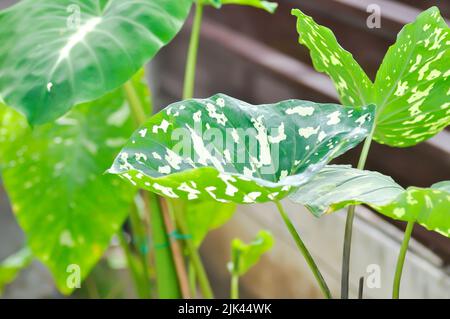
{"points": [[411, 88], [430, 207], [54, 176], [413, 83], [227, 150], [260, 4], [351, 82], [12, 266], [56, 54], [245, 256], [203, 217], [443, 186], [338, 186]]}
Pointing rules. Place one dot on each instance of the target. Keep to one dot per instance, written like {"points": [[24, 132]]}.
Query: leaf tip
{"points": [[296, 12]]}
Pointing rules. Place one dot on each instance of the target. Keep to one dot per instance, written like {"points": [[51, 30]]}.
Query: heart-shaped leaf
{"points": [[411, 87], [227, 150], [261, 4], [54, 176], [12, 266], [336, 187], [245, 256], [56, 54]]}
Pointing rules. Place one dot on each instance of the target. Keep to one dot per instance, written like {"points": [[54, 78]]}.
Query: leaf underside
{"points": [[336, 187], [411, 89], [57, 54], [54, 176], [227, 150]]}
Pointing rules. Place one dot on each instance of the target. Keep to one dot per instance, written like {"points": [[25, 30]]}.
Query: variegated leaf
{"points": [[336, 187], [413, 83], [227, 150], [411, 90]]}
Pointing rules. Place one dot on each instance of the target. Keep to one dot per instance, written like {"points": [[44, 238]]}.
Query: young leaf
{"points": [[227, 150], [203, 217], [245, 256], [56, 54], [411, 87], [413, 83], [351, 82], [12, 266], [338, 186], [54, 176], [261, 4]]}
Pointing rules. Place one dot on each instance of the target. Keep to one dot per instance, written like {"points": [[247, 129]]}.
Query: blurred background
{"points": [[255, 56]]}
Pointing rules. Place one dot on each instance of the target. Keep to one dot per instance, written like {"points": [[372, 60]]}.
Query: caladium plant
{"points": [[411, 86], [71, 66], [410, 90], [226, 150]]}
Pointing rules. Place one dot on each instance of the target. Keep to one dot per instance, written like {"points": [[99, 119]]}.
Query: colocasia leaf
{"points": [[56, 54], [261, 4], [12, 266], [227, 150], [245, 256], [338, 186], [411, 90], [54, 176]]}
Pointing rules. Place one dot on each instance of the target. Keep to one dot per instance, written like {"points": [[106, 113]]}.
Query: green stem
{"points": [[166, 272], [234, 286], [192, 280], [301, 246], [166, 275], [349, 225], [136, 107], [401, 260], [140, 242], [194, 256], [191, 64], [140, 290]]}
